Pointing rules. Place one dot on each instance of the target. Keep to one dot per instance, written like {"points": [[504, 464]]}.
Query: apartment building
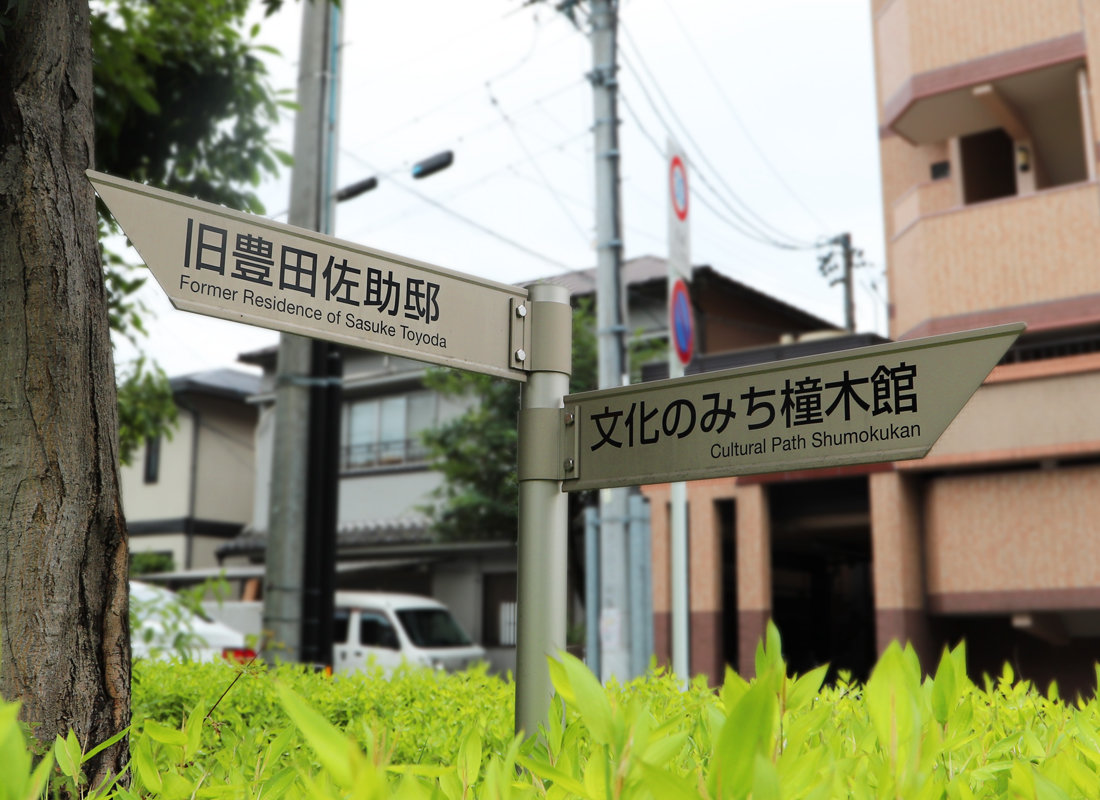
{"points": [[987, 114]]}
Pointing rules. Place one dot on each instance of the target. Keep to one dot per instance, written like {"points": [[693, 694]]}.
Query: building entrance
{"points": [[822, 597]]}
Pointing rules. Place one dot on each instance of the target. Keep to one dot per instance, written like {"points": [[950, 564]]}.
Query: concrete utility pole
{"points": [[828, 266], [310, 196], [845, 241], [611, 333]]}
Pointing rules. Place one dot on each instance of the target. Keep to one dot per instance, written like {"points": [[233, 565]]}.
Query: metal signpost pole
{"points": [[680, 326], [543, 507]]}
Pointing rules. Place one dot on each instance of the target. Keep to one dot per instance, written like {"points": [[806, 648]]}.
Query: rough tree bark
{"points": [[63, 553]]}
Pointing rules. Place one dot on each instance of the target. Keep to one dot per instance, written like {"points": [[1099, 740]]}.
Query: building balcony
{"points": [[1012, 251], [930, 53]]}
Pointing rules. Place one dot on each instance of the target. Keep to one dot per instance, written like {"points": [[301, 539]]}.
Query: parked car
{"points": [[394, 629], [163, 626]]}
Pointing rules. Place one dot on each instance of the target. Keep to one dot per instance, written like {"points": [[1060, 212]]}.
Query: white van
{"points": [[391, 629]]}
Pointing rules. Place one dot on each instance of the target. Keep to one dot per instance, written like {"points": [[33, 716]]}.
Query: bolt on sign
{"points": [[887, 402], [245, 268]]}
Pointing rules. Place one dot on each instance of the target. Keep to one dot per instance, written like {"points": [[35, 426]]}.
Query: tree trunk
{"points": [[63, 554]]}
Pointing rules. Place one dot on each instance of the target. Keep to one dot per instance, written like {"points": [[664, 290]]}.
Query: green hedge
{"points": [[289, 733]]}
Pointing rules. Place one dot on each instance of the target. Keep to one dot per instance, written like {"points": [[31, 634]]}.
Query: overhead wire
{"points": [[458, 96], [545, 182], [475, 183], [695, 50], [764, 230], [737, 221], [472, 222]]}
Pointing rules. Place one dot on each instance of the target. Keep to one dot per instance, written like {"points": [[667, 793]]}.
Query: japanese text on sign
{"points": [[888, 390], [252, 260]]}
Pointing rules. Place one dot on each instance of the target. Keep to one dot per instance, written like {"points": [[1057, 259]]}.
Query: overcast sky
{"points": [[772, 101]]}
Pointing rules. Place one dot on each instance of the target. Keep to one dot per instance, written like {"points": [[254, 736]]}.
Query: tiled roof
{"points": [[397, 531], [224, 382]]}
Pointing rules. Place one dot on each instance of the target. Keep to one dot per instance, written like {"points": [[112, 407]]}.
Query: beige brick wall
{"points": [[1013, 531], [1002, 253], [915, 36], [896, 540], [893, 63], [904, 168], [1028, 419], [704, 545]]}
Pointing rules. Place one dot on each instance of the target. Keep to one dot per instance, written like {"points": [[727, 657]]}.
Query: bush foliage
{"points": [[290, 733]]}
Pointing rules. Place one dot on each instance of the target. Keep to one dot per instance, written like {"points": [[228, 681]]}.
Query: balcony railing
{"points": [[374, 455]]}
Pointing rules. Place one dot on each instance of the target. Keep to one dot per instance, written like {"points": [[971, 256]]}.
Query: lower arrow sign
{"points": [[888, 402]]}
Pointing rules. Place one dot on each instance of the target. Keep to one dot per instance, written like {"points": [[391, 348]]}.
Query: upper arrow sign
{"points": [[241, 267], [884, 403]]}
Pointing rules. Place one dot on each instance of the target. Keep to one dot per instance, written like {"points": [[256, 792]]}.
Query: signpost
{"points": [[241, 267], [884, 403], [888, 402], [244, 268]]}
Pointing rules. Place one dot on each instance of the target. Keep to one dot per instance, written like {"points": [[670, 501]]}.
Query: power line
{"points": [[475, 183], [475, 224], [534, 163], [737, 119], [456, 97], [738, 222], [765, 230]]}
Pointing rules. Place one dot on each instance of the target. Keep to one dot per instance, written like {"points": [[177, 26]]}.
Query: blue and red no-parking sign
{"points": [[682, 322]]}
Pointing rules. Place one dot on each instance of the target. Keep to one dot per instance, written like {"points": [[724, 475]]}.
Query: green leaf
{"points": [[469, 758], [805, 688], [145, 765], [944, 689], [765, 780], [892, 705], [591, 700], [665, 785], [67, 753], [106, 743], [733, 689], [37, 783], [336, 752], [747, 732], [547, 772]]}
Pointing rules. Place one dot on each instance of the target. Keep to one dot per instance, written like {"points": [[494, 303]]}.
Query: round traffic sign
{"points": [[682, 322], [678, 187]]}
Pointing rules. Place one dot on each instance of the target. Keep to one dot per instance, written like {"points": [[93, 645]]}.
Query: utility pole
{"points": [[827, 266], [611, 333], [845, 241], [310, 194]]}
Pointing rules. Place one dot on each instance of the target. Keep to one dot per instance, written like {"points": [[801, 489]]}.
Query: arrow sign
{"points": [[888, 402], [241, 267]]}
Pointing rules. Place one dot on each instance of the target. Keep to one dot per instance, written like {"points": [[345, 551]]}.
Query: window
{"points": [[385, 431], [432, 627], [375, 630], [152, 459], [340, 625], [498, 620], [989, 168]]}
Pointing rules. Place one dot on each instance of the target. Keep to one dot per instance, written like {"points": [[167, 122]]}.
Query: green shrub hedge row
{"points": [[289, 733]]}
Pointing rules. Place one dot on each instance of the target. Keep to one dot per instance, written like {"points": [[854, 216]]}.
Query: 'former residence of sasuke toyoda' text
{"points": [[308, 284], [756, 416]]}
